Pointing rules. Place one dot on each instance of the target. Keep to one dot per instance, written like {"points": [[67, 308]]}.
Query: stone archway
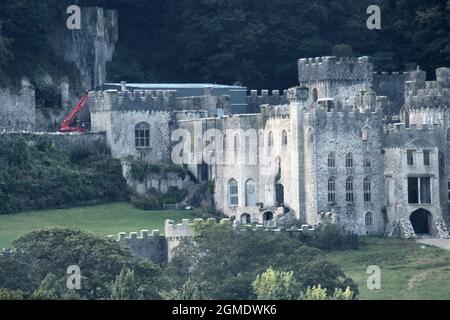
{"points": [[246, 218], [421, 221], [267, 216]]}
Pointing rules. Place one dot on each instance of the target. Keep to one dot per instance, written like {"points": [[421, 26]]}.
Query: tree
{"points": [[226, 262], [125, 287], [11, 294], [275, 285], [54, 250], [49, 288], [315, 293]]}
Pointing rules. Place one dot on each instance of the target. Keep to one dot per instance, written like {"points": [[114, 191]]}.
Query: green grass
{"points": [[409, 270], [102, 219]]}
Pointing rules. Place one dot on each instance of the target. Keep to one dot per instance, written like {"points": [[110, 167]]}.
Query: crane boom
{"points": [[69, 125]]}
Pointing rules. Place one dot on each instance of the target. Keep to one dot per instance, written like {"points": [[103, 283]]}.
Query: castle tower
{"points": [[338, 78]]}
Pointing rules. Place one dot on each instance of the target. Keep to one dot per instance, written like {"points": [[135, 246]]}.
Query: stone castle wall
{"points": [[17, 111]]}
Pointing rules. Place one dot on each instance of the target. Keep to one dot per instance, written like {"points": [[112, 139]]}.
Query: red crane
{"points": [[69, 124]]}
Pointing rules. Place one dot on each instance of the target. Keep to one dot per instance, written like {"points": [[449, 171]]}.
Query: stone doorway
{"points": [[267, 216], [421, 221]]}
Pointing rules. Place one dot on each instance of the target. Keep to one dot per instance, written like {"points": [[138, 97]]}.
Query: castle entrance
{"points": [[421, 220], [267, 216]]}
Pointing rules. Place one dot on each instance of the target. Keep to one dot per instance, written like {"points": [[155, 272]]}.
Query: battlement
{"points": [[420, 93], [113, 100], [394, 128], [334, 69], [144, 234], [346, 118], [273, 97]]}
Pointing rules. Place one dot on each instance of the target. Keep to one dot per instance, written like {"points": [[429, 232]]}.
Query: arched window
{"points": [[367, 192], [269, 143], [233, 197], [331, 190], [315, 95], [284, 138], [349, 160], [448, 135], [142, 135], [250, 193], [331, 160], [349, 197], [366, 134], [369, 220], [366, 161]]}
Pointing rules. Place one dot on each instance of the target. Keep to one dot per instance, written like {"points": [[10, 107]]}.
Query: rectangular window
{"points": [[426, 158], [425, 190], [413, 190], [410, 157], [419, 190]]}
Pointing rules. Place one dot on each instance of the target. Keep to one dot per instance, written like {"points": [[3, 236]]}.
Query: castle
{"points": [[369, 152]]}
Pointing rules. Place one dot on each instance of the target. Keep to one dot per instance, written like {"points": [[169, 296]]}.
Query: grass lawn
{"points": [[101, 219], [409, 270]]}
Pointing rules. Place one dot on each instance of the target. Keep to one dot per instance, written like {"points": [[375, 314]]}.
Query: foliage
{"points": [[227, 262], [48, 253], [331, 237], [275, 285], [38, 176], [319, 293], [11, 294], [315, 293], [125, 287]]}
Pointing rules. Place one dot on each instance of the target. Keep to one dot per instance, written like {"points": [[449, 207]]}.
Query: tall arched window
{"points": [[250, 193], [367, 192], [142, 135], [331, 190], [349, 196], [369, 220], [284, 138], [233, 196], [269, 143], [366, 161], [349, 160], [331, 160], [448, 135]]}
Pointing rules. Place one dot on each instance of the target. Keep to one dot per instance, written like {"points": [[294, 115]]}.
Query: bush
{"points": [[39, 176], [147, 202], [331, 237]]}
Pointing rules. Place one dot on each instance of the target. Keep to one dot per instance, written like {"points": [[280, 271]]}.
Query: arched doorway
{"points": [[267, 216], [279, 194], [421, 220], [245, 218]]}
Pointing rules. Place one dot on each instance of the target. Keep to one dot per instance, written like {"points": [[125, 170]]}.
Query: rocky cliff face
{"points": [[91, 47]]}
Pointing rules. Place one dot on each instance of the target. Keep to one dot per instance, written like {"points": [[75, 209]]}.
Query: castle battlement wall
{"points": [[420, 93], [273, 97], [320, 117], [152, 246], [18, 111], [113, 100], [334, 69]]}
